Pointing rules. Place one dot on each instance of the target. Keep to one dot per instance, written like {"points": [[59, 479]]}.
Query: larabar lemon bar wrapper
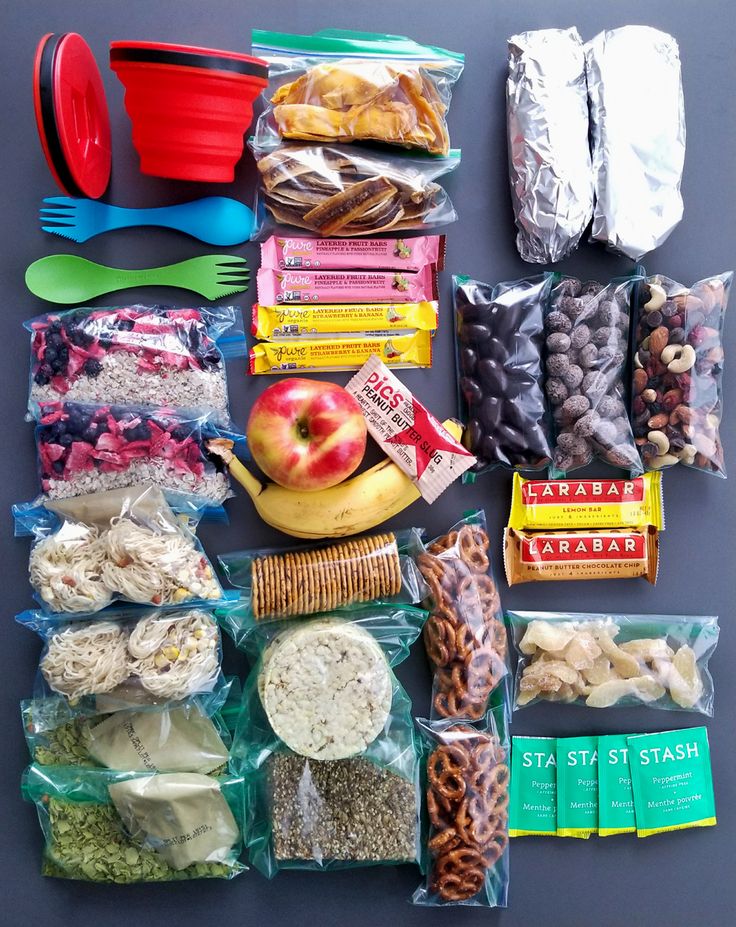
{"points": [[549, 504], [346, 286], [291, 321], [353, 253], [406, 432], [618, 553], [407, 350]]}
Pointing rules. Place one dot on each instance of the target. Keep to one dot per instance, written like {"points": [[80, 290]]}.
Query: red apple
{"points": [[306, 434]]}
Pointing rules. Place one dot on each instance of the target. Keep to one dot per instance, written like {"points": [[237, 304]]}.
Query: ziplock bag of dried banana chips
{"points": [[604, 660], [290, 582], [467, 792], [131, 658], [349, 191], [177, 739], [161, 355], [326, 743], [87, 447], [135, 544], [465, 637], [343, 86], [106, 826]]}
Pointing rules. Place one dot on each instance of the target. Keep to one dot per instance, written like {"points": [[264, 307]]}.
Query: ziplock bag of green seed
{"points": [[672, 781], [577, 786], [533, 806], [86, 838], [326, 743], [615, 795], [465, 849]]}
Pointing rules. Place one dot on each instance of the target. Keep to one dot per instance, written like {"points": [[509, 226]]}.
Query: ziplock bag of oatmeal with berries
{"points": [[161, 355]]}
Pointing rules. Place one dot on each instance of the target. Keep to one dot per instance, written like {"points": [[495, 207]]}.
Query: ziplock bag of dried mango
{"points": [[106, 826], [326, 744]]}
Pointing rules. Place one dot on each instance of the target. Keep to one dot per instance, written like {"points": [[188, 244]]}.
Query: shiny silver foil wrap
{"points": [[549, 154], [637, 115]]}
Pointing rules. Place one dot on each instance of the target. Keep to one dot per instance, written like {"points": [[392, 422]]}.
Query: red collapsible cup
{"points": [[190, 107]]}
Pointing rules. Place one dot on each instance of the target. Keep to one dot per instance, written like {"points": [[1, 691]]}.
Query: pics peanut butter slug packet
{"points": [[672, 781], [615, 795], [533, 807], [577, 786]]}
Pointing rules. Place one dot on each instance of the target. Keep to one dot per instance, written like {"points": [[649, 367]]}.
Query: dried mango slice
{"points": [[685, 681]]}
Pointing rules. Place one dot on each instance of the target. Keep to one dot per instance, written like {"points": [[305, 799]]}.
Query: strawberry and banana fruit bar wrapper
{"points": [[294, 321]]}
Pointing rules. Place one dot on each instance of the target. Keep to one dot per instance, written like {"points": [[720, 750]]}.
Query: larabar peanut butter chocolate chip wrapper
{"points": [[550, 504], [577, 786], [615, 795], [616, 553], [349, 353], [533, 805], [406, 432], [305, 321]]}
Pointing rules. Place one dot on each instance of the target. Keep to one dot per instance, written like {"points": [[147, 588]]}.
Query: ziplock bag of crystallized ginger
{"points": [[577, 786]]}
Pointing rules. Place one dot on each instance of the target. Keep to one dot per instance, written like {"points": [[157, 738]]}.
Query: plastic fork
{"points": [[66, 278], [215, 220]]}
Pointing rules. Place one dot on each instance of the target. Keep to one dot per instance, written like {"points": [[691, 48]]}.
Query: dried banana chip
{"points": [[685, 681]]}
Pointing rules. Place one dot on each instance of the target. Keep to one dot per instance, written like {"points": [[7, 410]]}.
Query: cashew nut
{"points": [[678, 357], [660, 440], [657, 297], [687, 454], [712, 421], [666, 460], [637, 363]]}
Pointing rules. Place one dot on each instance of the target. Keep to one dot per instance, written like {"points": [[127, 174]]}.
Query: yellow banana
{"points": [[351, 507]]}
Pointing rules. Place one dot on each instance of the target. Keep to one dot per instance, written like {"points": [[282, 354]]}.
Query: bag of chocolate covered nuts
{"points": [[677, 372]]}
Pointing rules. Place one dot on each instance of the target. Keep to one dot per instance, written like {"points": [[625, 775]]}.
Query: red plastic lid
{"points": [[188, 56], [71, 115]]}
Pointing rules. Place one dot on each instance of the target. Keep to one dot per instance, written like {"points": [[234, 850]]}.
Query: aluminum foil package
{"points": [[549, 154], [637, 115]]}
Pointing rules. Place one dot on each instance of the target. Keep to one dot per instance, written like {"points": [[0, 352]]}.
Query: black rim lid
{"points": [[189, 60], [48, 114]]}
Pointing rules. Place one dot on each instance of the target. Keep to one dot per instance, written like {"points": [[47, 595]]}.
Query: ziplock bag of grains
{"points": [[466, 848], [677, 399], [106, 826], [128, 544], [465, 636], [500, 345], [587, 333], [549, 155], [351, 191], [160, 355], [326, 742], [131, 658], [637, 122], [84, 448], [342, 86], [606, 661], [291, 582], [170, 740], [533, 806]]}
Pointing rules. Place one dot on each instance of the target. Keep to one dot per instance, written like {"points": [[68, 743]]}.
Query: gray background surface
{"points": [[674, 880]]}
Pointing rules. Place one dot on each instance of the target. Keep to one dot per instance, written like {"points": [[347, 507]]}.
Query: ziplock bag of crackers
{"points": [[465, 636], [349, 191], [135, 544], [105, 826], [290, 582], [130, 658], [467, 794], [342, 86], [326, 743], [604, 660]]}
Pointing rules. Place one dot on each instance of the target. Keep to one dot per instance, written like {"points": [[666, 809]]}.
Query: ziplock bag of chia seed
{"points": [[170, 740], [161, 355], [615, 794], [577, 786], [135, 544], [467, 781], [131, 658], [84, 448], [672, 781], [533, 806], [326, 744], [343, 86], [106, 826]]}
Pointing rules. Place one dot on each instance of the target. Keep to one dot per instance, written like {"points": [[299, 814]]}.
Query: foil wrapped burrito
{"points": [[637, 118], [549, 154]]}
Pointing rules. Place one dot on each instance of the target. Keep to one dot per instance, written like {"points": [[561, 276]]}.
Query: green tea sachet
{"points": [[533, 801], [577, 786], [672, 781], [615, 796]]}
